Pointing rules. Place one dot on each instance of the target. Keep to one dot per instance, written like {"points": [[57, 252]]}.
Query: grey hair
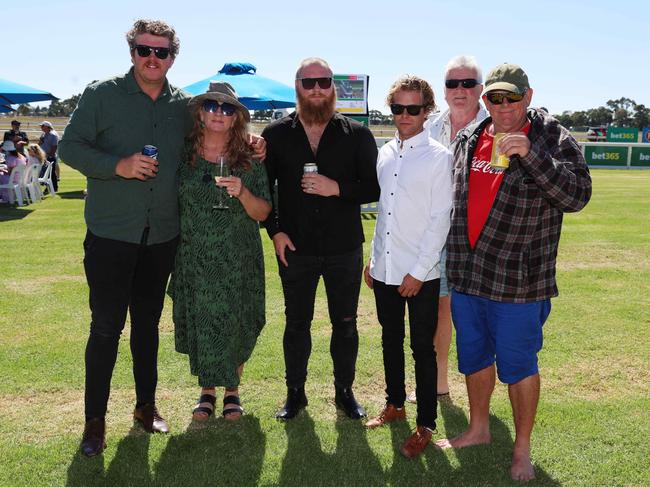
{"points": [[312, 60], [464, 61]]}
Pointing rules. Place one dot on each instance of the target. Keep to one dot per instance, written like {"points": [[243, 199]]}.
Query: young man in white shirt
{"points": [[414, 173]]}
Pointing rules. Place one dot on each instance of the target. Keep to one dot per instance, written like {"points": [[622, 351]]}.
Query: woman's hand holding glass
{"points": [[232, 185]]}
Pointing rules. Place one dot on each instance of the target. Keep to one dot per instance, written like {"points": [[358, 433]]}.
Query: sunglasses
{"points": [[497, 98], [397, 109], [145, 51], [465, 83], [310, 83], [211, 106]]}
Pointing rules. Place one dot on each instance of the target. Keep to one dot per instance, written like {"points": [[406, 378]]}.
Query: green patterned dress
{"points": [[218, 281]]}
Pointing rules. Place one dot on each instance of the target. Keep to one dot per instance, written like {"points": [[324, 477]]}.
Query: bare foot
{"points": [[522, 469], [467, 438]]}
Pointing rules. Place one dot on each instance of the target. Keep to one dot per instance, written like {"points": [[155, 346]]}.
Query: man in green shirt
{"points": [[132, 216]]}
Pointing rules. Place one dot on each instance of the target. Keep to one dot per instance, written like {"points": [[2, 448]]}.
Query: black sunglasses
{"points": [[497, 98], [145, 51], [397, 109], [211, 106], [465, 83], [310, 83]]}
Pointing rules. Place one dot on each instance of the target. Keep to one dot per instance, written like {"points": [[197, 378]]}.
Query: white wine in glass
{"points": [[223, 170]]}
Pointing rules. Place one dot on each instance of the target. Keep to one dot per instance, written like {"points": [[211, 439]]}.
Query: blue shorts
{"points": [[444, 288], [489, 331]]}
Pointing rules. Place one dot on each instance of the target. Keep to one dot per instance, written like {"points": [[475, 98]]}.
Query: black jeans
{"points": [[342, 277], [423, 320], [124, 276]]}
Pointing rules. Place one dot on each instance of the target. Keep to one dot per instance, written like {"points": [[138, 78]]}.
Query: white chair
{"points": [[47, 177], [15, 185], [31, 183]]}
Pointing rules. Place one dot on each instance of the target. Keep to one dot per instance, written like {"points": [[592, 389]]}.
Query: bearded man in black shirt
{"points": [[316, 227]]}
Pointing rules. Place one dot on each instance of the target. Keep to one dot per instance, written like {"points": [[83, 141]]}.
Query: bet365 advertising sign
{"points": [[629, 135]]}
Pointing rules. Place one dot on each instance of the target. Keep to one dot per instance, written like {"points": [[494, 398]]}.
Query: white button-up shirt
{"points": [[414, 209]]}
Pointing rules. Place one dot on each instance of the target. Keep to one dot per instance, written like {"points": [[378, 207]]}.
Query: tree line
{"points": [[623, 112]]}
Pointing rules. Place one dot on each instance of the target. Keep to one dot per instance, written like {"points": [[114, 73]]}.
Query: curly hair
{"points": [[238, 150], [413, 83], [156, 28]]}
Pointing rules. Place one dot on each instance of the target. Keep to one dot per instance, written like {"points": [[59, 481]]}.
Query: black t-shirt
{"points": [[11, 134]]}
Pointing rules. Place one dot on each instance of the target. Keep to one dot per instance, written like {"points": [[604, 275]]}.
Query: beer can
{"points": [[150, 151], [499, 161], [310, 167]]}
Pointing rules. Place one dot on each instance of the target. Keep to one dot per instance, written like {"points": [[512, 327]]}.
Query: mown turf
{"points": [[593, 421]]}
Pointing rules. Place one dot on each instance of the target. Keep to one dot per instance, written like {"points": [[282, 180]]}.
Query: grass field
{"points": [[593, 422]]}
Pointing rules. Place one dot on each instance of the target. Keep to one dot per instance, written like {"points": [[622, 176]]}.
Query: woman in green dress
{"points": [[218, 280]]}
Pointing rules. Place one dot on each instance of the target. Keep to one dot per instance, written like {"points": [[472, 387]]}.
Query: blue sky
{"points": [[577, 54]]}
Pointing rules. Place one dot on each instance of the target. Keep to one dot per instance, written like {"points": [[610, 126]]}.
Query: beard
{"points": [[316, 111]]}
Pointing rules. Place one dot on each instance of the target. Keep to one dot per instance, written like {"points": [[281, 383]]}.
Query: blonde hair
{"points": [[38, 152], [413, 83]]}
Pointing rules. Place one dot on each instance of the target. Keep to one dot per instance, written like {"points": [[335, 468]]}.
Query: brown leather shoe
{"points": [[94, 439], [388, 415], [150, 420], [417, 442]]}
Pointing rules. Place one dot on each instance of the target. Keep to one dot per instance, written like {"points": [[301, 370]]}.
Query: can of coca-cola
{"points": [[150, 151]]}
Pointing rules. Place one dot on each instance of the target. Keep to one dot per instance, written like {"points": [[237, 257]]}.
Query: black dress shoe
{"points": [[150, 420], [94, 440], [346, 402], [296, 400]]}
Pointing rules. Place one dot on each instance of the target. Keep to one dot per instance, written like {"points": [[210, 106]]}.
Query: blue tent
{"points": [[13, 93], [255, 92]]}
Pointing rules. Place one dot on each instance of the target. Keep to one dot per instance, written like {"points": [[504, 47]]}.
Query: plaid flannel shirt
{"points": [[514, 257]]}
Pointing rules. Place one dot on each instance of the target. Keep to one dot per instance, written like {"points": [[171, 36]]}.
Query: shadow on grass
{"points": [[305, 463], [71, 195], [8, 213], [217, 452], [130, 464], [214, 453], [485, 464]]}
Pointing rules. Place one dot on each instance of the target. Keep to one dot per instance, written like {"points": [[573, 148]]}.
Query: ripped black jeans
{"points": [[342, 278]]}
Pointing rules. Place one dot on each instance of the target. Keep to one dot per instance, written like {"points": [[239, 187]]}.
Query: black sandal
{"points": [[210, 399], [232, 399]]}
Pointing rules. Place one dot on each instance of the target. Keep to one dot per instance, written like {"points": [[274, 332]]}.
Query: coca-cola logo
{"points": [[483, 166]]}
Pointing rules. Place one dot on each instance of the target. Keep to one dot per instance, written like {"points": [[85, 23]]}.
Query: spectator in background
{"points": [[49, 142], [18, 137], [35, 155], [12, 159], [15, 134]]}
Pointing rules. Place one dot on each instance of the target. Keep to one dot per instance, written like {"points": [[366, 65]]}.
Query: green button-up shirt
{"points": [[114, 119]]}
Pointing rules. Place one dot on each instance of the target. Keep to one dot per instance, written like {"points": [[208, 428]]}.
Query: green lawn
{"points": [[594, 416]]}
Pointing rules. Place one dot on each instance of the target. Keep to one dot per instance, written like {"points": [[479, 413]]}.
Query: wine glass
{"points": [[223, 170]]}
